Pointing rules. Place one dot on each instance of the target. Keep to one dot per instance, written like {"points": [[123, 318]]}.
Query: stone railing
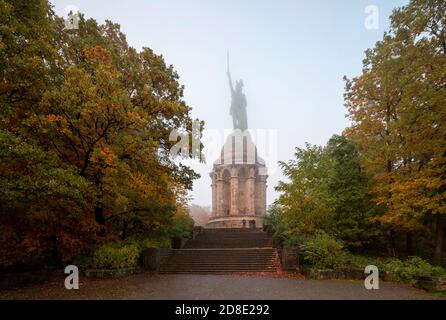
{"points": [[14, 279], [432, 284], [289, 258], [153, 258]]}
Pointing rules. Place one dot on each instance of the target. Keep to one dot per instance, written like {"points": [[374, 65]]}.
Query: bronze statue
{"points": [[238, 104]]}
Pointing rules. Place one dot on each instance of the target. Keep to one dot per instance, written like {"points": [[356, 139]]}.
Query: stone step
{"points": [[231, 230], [240, 239], [215, 267], [224, 246], [233, 269], [232, 239], [223, 257], [260, 237], [237, 243], [232, 234], [204, 272], [222, 250], [215, 270], [222, 265], [230, 251]]}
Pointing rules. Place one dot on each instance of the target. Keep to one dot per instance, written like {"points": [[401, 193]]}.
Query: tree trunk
{"points": [[409, 243], [124, 230], [391, 244], [100, 219], [99, 215], [55, 252], [439, 234]]}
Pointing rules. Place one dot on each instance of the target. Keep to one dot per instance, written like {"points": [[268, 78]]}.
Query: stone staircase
{"points": [[224, 251]]}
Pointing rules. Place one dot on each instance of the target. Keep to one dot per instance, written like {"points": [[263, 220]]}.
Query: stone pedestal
{"points": [[238, 185]]}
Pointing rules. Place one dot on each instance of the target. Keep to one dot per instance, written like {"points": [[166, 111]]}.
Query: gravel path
{"points": [[214, 287]]}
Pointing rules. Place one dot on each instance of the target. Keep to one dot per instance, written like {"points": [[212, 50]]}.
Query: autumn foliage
{"points": [[398, 113], [84, 137], [382, 185]]}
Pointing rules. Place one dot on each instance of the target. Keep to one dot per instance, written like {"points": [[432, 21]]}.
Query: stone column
{"points": [[214, 195], [219, 196], [234, 192], [251, 192]]}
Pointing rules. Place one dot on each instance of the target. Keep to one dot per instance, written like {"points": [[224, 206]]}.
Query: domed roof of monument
{"points": [[239, 149]]}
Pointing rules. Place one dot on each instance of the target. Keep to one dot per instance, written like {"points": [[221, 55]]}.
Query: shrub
{"points": [[183, 224], [355, 262], [293, 239], [403, 271], [124, 254], [155, 243], [323, 251], [111, 256]]}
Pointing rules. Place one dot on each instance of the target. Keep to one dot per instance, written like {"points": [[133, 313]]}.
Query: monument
{"points": [[239, 175]]}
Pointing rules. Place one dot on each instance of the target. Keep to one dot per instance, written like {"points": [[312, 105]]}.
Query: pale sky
{"points": [[291, 55]]}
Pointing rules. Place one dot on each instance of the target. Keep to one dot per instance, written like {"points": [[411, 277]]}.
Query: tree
{"points": [[349, 186], [305, 200], [85, 102], [274, 221], [44, 208], [328, 190], [398, 120]]}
